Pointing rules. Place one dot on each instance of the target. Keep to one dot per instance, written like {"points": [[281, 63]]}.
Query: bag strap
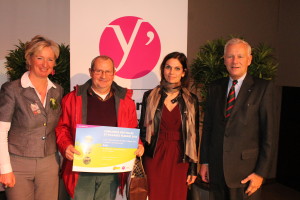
{"points": [[138, 168], [141, 163]]}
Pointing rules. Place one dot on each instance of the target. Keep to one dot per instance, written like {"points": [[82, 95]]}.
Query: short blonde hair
{"points": [[36, 44]]}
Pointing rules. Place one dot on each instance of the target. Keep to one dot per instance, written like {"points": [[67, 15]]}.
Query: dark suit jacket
{"points": [[242, 144]]}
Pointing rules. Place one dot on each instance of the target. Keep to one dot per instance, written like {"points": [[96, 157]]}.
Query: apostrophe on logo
{"points": [[133, 44]]}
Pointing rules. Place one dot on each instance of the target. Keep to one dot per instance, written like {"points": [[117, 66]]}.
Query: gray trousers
{"points": [[36, 178]]}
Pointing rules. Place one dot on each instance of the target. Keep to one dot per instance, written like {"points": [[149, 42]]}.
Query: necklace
{"points": [[173, 93], [170, 89]]}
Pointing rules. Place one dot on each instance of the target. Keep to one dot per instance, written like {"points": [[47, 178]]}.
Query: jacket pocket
{"points": [[17, 139], [250, 153]]}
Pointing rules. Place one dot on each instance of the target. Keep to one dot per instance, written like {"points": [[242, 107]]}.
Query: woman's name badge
{"points": [[35, 108]]}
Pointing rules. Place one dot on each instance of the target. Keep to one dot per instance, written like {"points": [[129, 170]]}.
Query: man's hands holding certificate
{"points": [[71, 150]]}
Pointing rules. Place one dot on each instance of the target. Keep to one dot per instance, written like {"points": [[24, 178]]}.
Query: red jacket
{"points": [[74, 111]]}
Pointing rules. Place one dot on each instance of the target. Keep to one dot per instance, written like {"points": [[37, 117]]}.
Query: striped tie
{"points": [[230, 99]]}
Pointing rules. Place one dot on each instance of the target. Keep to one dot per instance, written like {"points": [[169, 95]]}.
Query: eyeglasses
{"points": [[100, 72]]}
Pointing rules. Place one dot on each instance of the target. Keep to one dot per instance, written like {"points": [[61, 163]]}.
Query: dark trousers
{"points": [[220, 191], [2, 195], [96, 186]]}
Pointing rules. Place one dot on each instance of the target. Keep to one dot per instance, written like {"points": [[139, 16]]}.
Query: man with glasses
{"points": [[100, 101]]}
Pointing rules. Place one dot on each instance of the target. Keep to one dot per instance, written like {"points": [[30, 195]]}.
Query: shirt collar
{"points": [[239, 81], [93, 93], [25, 81]]}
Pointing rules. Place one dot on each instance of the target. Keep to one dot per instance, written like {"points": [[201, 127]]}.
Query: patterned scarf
{"points": [[152, 103]]}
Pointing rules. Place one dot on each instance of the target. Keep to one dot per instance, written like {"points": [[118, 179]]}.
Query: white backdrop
{"points": [[137, 34]]}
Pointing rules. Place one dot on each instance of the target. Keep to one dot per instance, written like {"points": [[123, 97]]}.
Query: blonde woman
{"points": [[29, 112]]}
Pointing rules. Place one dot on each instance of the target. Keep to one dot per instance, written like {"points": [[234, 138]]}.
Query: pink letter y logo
{"points": [[133, 44]]}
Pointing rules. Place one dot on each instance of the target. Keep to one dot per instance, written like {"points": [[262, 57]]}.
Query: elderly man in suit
{"points": [[238, 129]]}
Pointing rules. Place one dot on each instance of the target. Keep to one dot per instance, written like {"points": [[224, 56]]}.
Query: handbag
{"points": [[137, 186]]}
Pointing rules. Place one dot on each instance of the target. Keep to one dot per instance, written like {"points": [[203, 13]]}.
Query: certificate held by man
{"points": [[105, 149]]}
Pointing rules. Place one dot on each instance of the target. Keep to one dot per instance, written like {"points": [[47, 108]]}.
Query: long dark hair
{"points": [[183, 60]]}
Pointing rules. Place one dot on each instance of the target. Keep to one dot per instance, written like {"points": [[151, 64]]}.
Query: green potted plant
{"points": [[16, 65], [209, 65]]}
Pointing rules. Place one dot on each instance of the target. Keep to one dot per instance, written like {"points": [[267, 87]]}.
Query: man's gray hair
{"points": [[237, 41]]}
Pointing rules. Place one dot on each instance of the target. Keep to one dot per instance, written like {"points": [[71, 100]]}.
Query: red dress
{"points": [[166, 172]]}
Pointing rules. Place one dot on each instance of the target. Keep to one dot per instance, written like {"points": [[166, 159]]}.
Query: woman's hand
{"points": [[8, 180], [190, 179], [140, 150]]}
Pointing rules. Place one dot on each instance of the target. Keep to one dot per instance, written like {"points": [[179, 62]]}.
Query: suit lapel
{"points": [[52, 93], [30, 94], [244, 93], [223, 93]]}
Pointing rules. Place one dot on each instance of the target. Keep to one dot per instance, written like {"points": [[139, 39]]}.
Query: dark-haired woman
{"points": [[169, 130]]}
